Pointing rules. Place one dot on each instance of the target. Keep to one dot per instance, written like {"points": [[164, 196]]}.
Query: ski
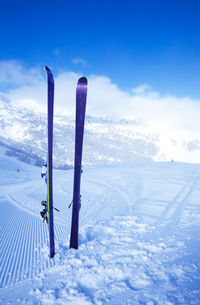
{"points": [[50, 106], [81, 95]]}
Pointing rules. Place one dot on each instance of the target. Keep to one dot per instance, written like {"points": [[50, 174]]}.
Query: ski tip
{"points": [[82, 81], [47, 69]]}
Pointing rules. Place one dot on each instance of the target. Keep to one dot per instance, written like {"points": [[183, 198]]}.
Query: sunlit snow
{"points": [[138, 243]]}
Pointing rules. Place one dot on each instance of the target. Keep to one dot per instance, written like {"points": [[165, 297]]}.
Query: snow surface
{"points": [[139, 236], [24, 132]]}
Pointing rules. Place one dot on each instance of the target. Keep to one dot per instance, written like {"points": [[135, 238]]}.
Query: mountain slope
{"points": [[106, 141], [139, 236]]}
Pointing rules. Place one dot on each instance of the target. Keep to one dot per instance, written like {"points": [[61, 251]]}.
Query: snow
{"points": [[138, 243], [122, 142]]}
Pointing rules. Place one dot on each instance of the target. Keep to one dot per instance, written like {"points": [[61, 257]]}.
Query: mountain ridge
{"points": [[106, 141]]}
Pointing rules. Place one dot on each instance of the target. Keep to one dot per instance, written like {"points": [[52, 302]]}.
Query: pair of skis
{"points": [[81, 95]]}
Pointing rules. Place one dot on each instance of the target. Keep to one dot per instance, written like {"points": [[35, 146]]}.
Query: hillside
{"points": [[138, 241], [106, 141]]}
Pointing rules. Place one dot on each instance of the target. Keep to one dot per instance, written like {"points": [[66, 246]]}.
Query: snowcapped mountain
{"points": [[23, 132], [139, 224]]}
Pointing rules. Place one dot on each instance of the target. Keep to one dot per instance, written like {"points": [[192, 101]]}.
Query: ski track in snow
{"points": [[23, 237], [106, 193], [173, 211], [20, 257]]}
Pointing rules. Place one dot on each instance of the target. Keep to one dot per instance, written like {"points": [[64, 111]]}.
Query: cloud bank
{"points": [[25, 86]]}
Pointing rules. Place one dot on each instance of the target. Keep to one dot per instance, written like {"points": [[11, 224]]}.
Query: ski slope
{"points": [[139, 236]]}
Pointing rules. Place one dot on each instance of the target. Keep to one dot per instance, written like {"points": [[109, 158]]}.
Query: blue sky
{"points": [[131, 42], [142, 58]]}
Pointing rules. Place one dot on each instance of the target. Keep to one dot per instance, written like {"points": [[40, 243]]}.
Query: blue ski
{"points": [[81, 95], [50, 102]]}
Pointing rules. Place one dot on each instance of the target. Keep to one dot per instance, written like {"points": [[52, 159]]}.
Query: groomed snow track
{"points": [[163, 195], [22, 240]]}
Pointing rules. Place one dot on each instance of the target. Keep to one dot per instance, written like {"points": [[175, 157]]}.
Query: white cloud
{"points": [[4, 98], [79, 61], [56, 52], [167, 112], [14, 74], [105, 98], [65, 92], [28, 88], [141, 89]]}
